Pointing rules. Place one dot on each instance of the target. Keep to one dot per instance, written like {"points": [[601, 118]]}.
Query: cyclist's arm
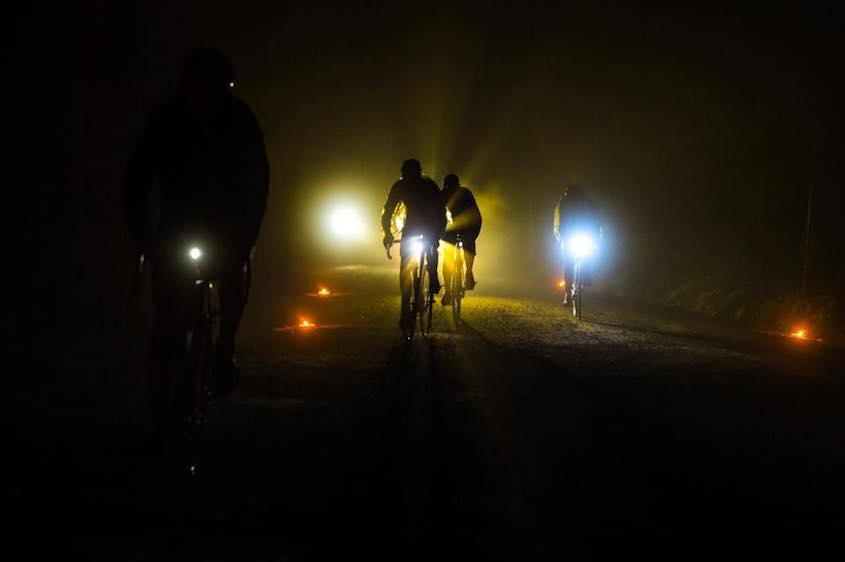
{"points": [[389, 207]]}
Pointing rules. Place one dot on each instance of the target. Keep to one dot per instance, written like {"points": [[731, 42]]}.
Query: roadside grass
{"points": [[755, 301]]}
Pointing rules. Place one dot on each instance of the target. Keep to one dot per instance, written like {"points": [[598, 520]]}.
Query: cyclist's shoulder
{"points": [[428, 182], [466, 193]]}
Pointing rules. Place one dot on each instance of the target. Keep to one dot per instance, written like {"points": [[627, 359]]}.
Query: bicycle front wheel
{"points": [[409, 316], [426, 299]]}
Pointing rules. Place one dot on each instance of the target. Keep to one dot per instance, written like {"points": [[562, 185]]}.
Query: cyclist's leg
{"points": [[233, 281], [568, 276], [432, 259], [448, 262], [568, 269], [166, 339], [469, 258]]}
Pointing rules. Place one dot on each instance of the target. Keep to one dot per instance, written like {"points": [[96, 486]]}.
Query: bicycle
{"points": [[580, 247], [188, 395], [422, 299]]}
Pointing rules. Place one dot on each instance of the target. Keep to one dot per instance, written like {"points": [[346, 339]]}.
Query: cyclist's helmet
{"points": [[411, 167]]}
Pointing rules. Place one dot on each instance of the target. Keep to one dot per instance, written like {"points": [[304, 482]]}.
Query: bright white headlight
{"points": [[345, 223], [195, 253], [581, 245], [417, 246]]}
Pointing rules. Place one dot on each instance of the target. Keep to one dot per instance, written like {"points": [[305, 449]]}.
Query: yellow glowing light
{"points": [[305, 323], [231, 84], [448, 216], [323, 292], [562, 284], [345, 223], [801, 334], [398, 218]]}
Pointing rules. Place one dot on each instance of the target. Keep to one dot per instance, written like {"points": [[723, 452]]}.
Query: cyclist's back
{"points": [[575, 211], [204, 150], [425, 212], [212, 175], [425, 215]]}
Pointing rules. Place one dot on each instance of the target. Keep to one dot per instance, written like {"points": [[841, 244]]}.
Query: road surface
{"points": [[517, 433]]}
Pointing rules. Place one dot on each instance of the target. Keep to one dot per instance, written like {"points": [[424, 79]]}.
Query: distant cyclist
{"points": [[465, 223], [204, 151], [425, 214], [574, 213]]}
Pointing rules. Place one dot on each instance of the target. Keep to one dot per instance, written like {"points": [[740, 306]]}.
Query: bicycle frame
{"points": [[457, 280], [189, 392], [421, 299]]}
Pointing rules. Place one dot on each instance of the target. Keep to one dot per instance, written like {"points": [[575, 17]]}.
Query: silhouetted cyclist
{"points": [[574, 213], [466, 224], [204, 150], [425, 214]]}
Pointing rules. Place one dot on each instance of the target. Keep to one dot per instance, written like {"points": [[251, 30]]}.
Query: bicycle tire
{"points": [[425, 312], [410, 317], [201, 370], [457, 289], [428, 311]]}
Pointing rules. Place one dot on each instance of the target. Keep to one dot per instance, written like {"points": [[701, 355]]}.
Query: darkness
{"points": [[698, 130]]}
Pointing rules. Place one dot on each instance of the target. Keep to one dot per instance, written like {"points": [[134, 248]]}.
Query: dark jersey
{"points": [[425, 212], [466, 216], [574, 213], [212, 177]]}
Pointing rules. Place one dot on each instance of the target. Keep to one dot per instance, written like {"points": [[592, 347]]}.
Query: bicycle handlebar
{"points": [[387, 248]]}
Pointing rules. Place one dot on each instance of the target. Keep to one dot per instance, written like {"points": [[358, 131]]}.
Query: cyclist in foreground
{"points": [[425, 215], [204, 150], [575, 214], [465, 224]]}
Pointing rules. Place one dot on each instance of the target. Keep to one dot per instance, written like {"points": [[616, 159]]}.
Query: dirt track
{"points": [[516, 434]]}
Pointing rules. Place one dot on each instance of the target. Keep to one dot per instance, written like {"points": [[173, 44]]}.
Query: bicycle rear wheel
{"points": [[198, 375], [409, 317], [457, 289]]}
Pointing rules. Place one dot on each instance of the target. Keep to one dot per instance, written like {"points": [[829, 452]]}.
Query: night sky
{"points": [[697, 130]]}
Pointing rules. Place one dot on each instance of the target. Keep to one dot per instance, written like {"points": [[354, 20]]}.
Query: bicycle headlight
{"points": [[417, 246], [195, 253], [581, 245]]}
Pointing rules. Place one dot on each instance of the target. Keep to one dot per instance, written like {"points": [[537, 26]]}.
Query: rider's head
{"points": [[451, 181], [411, 168], [206, 77], [574, 190]]}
